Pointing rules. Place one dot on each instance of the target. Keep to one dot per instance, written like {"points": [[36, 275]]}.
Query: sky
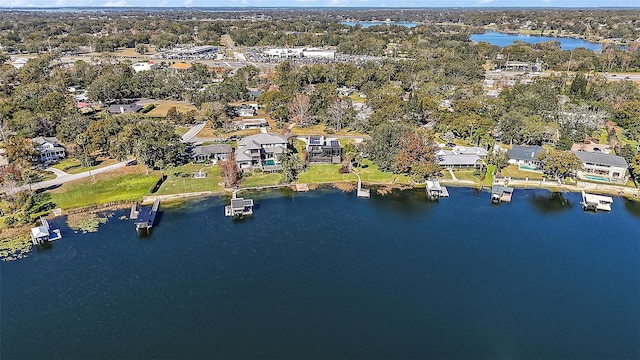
{"points": [[321, 3]]}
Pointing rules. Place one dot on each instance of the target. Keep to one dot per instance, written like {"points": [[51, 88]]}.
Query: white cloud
{"points": [[485, 1], [118, 3], [187, 2]]}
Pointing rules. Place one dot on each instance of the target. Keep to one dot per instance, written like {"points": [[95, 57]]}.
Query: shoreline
{"points": [[18, 238]]}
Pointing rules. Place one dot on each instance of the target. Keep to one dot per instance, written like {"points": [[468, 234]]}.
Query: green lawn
{"points": [[488, 180], [467, 175], [180, 180], [260, 179], [87, 192], [324, 173], [512, 171], [371, 173]]}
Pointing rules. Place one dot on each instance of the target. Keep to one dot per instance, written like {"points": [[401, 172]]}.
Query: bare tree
{"points": [[300, 110], [229, 169]]}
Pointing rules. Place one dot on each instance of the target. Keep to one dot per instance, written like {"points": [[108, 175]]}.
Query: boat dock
{"points": [[44, 233], [363, 193], [239, 207], [302, 187], [592, 202], [435, 191], [145, 216], [500, 194]]}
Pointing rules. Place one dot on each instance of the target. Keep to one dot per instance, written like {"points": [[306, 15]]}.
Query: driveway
{"points": [[63, 177]]}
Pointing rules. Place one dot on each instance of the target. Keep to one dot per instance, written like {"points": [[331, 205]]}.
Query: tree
{"points": [[229, 168], [20, 151], [300, 110], [498, 158], [383, 146], [634, 166], [292, 165], [340, 113], [416, 154], [559, 164]]}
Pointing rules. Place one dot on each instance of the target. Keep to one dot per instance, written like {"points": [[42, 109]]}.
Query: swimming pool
{"points": [[596, 178], [268, 162]]}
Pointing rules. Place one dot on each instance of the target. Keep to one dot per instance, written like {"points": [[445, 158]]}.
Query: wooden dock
{"points": [[592, 202], [302, 187], [145, 216], [363, 193]]}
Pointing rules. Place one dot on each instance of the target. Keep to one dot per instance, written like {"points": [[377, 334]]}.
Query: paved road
{"points": [[63, 177], [190, 135]]}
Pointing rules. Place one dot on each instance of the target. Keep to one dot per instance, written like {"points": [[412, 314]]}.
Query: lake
{"points": [[502, 40], [327, 275], [366, 24]]}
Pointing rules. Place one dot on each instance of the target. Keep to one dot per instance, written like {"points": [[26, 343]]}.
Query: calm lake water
{"points": [[366, 24], [327, 275], [502, 40]]}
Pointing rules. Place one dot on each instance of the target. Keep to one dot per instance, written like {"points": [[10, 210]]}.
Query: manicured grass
{"points": [[467, 175], [324, 173], [259, 179], [299, 145], [66, 164], [513, 172], [488, 180], [162, 107], [105, 189], [371, 173], [181, 180]]}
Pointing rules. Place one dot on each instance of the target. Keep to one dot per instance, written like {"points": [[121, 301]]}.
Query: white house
{"points": [[461, 157], [49, 148], [143, 66], [602, 167]]}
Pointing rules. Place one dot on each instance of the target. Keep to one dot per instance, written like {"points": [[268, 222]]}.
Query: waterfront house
{"points": [[525, 157], [461, 157], [204, 153], [322, 150], [602, 167], [261, 151], [49, 149]]}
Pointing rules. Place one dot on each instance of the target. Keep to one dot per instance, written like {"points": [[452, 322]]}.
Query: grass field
{"points": [[259, 179], [125, 184], [181, 180], [512, 171], [324, 173], [162, 107], [371, 173]]}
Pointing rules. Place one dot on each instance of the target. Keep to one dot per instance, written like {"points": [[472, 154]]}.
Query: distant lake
{"points": [[325, 275], [366, 24], [502, 40]]}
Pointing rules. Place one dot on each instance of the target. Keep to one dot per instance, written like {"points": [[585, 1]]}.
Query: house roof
{"points": [[240, 203], [181, 66], [599, 158], [518, 152], [41, 140], [458, 160], [262, 139], [124, 108], [212, 149]]}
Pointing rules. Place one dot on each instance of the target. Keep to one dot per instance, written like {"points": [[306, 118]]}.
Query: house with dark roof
{"points": [[602, 167], [49, 149], [525, 157], [124, 108], [322, 150], [261, 151], [204, 153]]}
